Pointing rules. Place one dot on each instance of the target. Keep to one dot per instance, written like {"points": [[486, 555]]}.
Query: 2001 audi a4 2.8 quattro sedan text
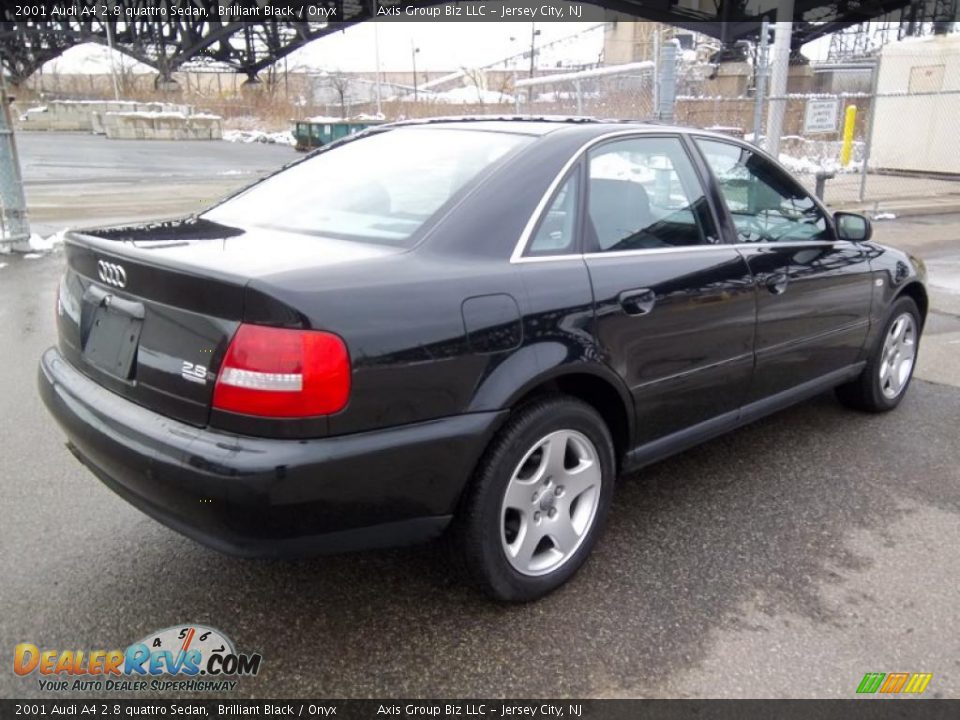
{"points": [[467, 326]]}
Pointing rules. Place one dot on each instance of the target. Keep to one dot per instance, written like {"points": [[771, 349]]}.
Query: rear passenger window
{"points": [[644, 194], [557, 231]]}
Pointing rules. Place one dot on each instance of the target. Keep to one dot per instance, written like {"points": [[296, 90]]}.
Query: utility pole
{"points": [[113, 57], [14, 227], [763, 67], [376, 55], [778, 80], [413, 53], [533, 54], [516, 90]]}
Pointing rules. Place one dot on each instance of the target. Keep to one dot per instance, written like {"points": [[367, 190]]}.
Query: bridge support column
{"points": [[166, 83], [252, 84], [14, 228]]}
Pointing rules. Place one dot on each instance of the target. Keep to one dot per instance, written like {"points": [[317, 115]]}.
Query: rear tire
{"points": [[538, 500], [889, 369]]}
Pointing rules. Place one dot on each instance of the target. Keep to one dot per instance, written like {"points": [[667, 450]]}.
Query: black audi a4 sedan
{"points": [[467, 327]]}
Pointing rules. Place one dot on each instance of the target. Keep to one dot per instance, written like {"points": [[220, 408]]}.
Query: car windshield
{"points": [[380, 189]]}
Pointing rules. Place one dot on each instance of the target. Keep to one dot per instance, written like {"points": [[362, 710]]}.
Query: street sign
{"points": [[821, 116]]}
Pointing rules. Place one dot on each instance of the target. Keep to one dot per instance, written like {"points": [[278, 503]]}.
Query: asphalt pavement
{"points": [[786, 559]]}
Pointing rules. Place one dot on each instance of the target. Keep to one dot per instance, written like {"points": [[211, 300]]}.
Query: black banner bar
{"points": [[351, 11], [332, 11]]}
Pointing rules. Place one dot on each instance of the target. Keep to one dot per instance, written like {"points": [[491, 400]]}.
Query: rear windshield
{"points": [[378, 189]]}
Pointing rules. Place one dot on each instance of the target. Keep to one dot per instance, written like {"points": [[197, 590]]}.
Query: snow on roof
{"points": [[470, 95], [163, 115], [584, 74]]}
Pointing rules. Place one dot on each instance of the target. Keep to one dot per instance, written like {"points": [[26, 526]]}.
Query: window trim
{"points": [[695, 137]]}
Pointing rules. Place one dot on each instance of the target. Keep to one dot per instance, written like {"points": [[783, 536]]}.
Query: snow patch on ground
{"points": [[885, 216], [38, 245], [259, 136], [807, 156], [2, 265], [807, 165]]}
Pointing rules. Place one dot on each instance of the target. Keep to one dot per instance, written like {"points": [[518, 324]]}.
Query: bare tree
{"points": [[478, 79], [341, 84], [125, 68], [504, 84]]}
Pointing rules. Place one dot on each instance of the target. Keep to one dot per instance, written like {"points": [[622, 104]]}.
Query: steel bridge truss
{"points": [[168, 35], [166, 39]]}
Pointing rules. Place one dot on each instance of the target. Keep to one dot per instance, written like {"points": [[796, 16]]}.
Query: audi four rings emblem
{"points": [[112, 274]]}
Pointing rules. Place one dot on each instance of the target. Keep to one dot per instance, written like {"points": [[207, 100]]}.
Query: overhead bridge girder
{"points": [[168, 44], [149, 32]]}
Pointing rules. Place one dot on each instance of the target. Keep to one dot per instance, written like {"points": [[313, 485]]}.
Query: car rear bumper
{"points": [[258, 496]]}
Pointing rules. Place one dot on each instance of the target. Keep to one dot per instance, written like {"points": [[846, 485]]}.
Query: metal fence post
{"points": [[668, 81], [760, 90], [777, 104], [656, 70], [13, 207], [874, 84]]}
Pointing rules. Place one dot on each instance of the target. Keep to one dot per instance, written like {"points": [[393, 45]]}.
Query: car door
{"points": [[813, 290], [674, 304]]}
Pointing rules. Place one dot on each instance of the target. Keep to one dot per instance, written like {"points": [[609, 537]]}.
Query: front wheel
{"points": [[889, 369], [538, 500]]}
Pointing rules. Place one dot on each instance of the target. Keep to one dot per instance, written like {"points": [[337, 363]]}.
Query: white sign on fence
{"points": [[821, 116]]}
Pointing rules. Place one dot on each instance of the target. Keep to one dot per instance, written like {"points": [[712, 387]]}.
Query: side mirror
{"points": [[853, 227]]}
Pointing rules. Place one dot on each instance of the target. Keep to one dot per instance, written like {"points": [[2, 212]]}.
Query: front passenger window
{"points": [[765, 203]]}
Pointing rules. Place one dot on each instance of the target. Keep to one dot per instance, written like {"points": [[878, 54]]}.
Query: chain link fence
{"points": [[626, 95], [905, 143]]}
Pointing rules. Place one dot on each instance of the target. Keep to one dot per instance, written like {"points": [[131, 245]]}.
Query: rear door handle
{"points": [[638, 302], [777, 283]]}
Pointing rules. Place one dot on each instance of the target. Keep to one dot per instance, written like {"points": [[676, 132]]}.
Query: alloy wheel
{"points": [[550, 503], [899, 353]]}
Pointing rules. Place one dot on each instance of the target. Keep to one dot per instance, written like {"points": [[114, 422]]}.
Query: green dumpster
{"points": [[314, 133]]}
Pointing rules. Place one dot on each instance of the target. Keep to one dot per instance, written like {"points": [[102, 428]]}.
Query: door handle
{"points": [[638, 302], [777, 283]]}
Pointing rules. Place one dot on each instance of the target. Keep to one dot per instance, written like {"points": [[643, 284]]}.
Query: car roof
{"points": [[534, 124]]}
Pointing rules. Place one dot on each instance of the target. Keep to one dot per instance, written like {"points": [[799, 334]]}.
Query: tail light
{"points": [[276, 372]]}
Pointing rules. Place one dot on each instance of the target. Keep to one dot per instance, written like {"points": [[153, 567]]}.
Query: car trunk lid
{"points": [[148, 311]]}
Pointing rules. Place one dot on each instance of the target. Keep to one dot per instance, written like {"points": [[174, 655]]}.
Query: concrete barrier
{"points": [[87, 115], [162, 126]]}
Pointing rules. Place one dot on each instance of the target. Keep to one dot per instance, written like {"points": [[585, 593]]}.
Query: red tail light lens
{"points": [[276, 372]]}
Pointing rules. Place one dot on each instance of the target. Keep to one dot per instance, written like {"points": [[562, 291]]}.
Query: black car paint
{"points": [[444, 338]]}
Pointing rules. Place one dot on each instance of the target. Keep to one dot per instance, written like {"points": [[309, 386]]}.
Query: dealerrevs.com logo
{"points": [[185, 658]]}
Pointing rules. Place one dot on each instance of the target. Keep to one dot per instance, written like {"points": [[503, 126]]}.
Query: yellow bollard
{"points": [[848, 123]]}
